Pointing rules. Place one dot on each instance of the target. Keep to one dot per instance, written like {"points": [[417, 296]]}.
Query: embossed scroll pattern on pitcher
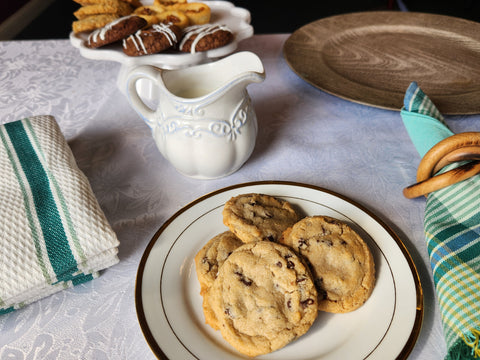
{"points": [[229, 128]]}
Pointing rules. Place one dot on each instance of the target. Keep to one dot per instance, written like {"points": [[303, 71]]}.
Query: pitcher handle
{"points": [[142, 72]]}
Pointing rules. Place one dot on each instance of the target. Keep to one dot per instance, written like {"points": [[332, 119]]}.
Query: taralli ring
{"points": [[465, 153], [459, 147], [443, 148], [443, 180]]}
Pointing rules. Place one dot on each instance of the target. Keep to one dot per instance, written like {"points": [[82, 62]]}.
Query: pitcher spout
{"points": [[206, 80]]}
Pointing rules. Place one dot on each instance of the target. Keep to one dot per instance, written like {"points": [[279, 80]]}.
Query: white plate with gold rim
{"points": [[169, 306]]}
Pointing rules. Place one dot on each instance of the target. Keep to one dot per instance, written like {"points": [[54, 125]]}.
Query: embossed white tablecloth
{"points": [[305, 135]]}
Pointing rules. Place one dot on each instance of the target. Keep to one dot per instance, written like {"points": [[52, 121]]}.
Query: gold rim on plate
{"points": [[167, 263]]}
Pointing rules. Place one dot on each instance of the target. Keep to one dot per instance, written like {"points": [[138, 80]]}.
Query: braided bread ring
{"points": [[465, 153], [443, 180], [441, 149], [463, 146]]}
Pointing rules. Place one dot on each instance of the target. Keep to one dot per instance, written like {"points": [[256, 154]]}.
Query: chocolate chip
{"points": [[324, 232], [279, 264], [205, 261], [289, 304], [243, 279], [290, 264], [307, 302], [302, 243], [299, 280], [246, 281]]}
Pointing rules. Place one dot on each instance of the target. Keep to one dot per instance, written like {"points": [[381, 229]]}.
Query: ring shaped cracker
{"points": [[463, 146]]}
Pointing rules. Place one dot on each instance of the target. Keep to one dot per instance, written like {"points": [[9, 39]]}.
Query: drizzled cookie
{"points": [[157, 38], [205, 37], [115, 31]]}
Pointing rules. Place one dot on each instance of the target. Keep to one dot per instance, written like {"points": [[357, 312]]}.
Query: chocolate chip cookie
{"points": [[207, 262], [341, 262], [263, 298], [212, 256], [254, 217]]}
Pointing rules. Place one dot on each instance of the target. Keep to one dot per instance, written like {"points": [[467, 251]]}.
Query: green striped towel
{"points": [[452, 230], [53, 233]]}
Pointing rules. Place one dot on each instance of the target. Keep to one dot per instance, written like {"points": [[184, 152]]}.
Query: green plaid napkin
{"points": [[53, 233], [452, 230]]}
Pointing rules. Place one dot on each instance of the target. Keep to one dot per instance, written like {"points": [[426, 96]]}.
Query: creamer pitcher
{"points": [[204, 124]]}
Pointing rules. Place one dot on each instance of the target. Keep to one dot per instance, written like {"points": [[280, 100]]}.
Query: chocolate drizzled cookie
{"points": [[115, 31], [152, 40], [205, 37]]}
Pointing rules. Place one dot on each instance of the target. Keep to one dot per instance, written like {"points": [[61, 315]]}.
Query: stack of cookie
{"points": [[264, 280], [95, 14], [150, 29]]}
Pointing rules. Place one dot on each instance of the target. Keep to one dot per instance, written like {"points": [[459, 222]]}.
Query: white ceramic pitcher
{"points": [[204, 123]]}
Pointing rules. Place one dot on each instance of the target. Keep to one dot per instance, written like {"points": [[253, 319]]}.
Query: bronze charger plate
{"points": [[372, 57]]}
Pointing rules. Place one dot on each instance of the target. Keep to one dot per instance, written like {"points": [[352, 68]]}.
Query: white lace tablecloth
{"points": [[305, 135]]}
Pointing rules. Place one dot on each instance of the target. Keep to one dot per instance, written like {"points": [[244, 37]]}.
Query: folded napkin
{"points": [[452, 229], [53, 233]]}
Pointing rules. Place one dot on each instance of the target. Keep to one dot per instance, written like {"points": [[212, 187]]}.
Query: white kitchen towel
{"points": [[53, 233]]}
